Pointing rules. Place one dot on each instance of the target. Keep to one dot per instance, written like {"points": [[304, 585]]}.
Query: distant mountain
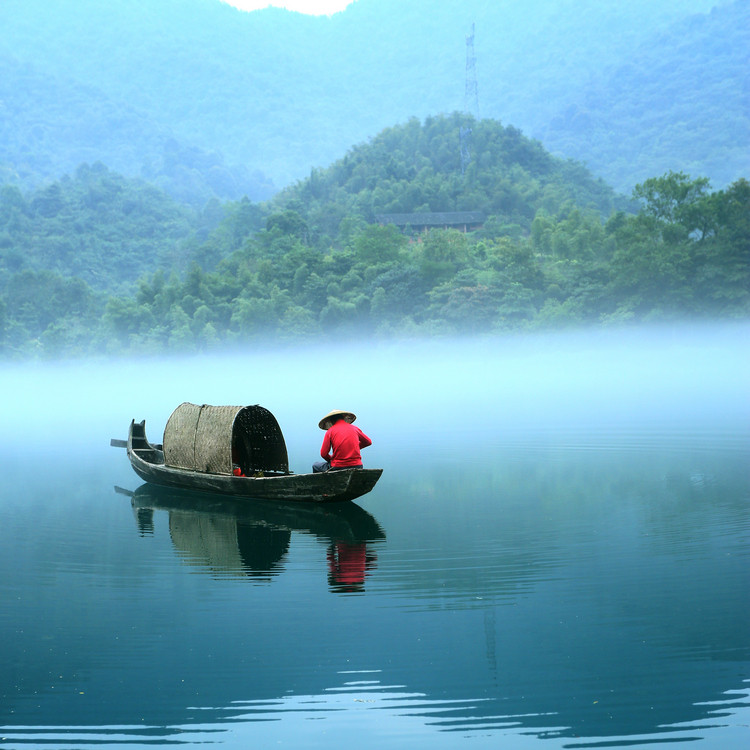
{"points": [[50, 125], [681, 102], [279, 92]]}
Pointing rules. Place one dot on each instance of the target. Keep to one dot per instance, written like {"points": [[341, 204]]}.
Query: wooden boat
{"points": [[204, 445]]}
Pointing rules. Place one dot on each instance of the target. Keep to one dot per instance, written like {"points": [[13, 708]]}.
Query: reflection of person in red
{"points": [[348, 563], [342, 442]]}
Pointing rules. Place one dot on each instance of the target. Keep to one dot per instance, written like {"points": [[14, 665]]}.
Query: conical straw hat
{"points": [[324, 423]]}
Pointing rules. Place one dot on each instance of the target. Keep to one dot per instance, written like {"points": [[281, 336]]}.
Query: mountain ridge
{"points": [[276, 92]]}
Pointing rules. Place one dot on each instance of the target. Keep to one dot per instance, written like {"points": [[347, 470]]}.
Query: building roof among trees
{"points": [[446, 218]]}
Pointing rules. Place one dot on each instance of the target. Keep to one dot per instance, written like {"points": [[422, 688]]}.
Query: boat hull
{"points": [[325, 487]]}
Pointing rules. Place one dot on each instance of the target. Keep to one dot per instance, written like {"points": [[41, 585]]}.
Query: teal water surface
{"points": [[557, 551]]}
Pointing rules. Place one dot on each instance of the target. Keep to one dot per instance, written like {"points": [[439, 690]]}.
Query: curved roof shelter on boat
{"points": [[210, 439]]}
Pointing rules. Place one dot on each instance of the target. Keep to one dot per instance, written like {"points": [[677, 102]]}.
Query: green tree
{"points": [[126, 318], [667, 198], [379, 244]]}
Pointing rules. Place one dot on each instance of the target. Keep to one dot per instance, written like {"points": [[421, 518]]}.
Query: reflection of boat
{"points": [[247, 538], [348, 522], [206, 447]]}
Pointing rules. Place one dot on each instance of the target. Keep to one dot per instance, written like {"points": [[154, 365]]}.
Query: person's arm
{"points": [[325, 449], [364, 441]]}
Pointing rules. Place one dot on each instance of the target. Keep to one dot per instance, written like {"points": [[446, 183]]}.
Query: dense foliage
{"points": [[556, 250], [97, 226], [205, 99], [416, 167]]}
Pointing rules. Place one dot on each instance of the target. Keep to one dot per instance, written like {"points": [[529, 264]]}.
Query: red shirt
{"points": [[345, 441]]}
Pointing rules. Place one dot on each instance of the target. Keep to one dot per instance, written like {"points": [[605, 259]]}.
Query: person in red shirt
{"points": [[342, 442]]}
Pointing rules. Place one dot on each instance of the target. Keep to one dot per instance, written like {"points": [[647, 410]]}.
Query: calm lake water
{"points": [[556, 556]]}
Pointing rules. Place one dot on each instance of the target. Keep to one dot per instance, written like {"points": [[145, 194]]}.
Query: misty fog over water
{"points": [[557, 549], [670, 383]]}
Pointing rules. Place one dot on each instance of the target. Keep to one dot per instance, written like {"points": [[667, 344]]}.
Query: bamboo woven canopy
{"points": [[209, 439]]}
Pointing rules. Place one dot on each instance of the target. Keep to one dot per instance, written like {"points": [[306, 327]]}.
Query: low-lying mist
{"points": [[574, 390]]}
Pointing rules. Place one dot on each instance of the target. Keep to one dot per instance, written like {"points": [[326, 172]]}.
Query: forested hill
{"points": [[416, 168], [554, 251], [273, 93], [109, 231], [681, 100], [99, 227]]}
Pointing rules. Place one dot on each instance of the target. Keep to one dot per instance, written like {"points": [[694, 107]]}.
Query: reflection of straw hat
{"points": [[325, 423]]}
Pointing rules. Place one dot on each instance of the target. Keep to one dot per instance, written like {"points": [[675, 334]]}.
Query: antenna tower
{"points": [[471, 100], [471, 93]]}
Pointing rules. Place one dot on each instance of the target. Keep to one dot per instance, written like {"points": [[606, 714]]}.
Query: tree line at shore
{"points": [[100, 264]]}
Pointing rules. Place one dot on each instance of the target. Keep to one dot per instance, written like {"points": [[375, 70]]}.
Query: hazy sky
{"points": [[312, 7]]}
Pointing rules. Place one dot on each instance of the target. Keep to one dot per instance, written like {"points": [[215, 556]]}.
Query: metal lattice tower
{"points": [[471, 100], [471, 93]]}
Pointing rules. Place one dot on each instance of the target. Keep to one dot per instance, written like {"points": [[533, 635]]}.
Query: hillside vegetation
{"points": [[556, 250], [207, 100], [416, 167], [680, 101], [97, 226]]}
